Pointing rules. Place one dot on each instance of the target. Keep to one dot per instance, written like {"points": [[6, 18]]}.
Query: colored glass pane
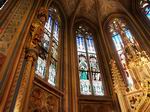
{"points": [[80, 43], [93, 63], [145, 6], [90, 44], [88, 64], [118, 42], [48, 48], [54, 49], [52, 73], [85, 86], [45, 41], [97, 84], [56, 30], [83, 61], [49, 23], [122, 33], [40, 67]]}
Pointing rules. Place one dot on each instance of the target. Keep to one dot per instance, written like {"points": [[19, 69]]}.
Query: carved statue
{"points": [[37, 27], [137, 100]]}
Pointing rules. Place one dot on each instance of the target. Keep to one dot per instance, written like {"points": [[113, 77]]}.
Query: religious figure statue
{"points": [[37, 27]]}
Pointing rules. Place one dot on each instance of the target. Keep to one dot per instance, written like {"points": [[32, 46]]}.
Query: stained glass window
{"points": [[41, 67], [125, 45], [145, 6], [89, 72], [2, 3], [47, 62]]}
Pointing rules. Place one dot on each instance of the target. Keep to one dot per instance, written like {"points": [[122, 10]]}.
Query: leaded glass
{"points": [[93, 63], [97, 84], [145, 6], [85, 86], [52, 73], [40, 67], [56, 30], [48, 48], [122, 39], [90, 44], [89, 72], [80, 43], [45, 41], [54, 49], [82, 61], [83, 75], [49, 23]]}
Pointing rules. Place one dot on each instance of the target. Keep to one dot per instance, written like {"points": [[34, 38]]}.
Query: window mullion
{"points": [[49, 52], [58, 58], [89, 69]]}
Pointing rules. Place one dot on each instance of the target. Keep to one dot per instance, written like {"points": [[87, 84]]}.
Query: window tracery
{"points": [[47, 63], [126, 47], [145, 7], [89, 72]]}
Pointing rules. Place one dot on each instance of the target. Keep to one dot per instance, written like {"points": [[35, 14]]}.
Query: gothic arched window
{"points": [[126, 46], [47, 63], [145, 7], [90, 76]]}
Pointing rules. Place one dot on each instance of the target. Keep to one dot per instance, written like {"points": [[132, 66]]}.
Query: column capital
{"points": [[31, 52]]}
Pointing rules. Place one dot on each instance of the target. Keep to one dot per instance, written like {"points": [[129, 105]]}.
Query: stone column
{"points": [[26, 79], [36, 34]]}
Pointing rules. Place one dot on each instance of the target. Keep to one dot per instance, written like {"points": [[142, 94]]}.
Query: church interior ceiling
{"points": [[89, 8]]}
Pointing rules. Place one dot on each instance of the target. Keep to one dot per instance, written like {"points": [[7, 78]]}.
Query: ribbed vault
{"points": [[90, 8]]}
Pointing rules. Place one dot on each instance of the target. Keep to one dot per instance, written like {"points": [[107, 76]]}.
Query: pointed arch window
{"points": [[90, 76], [126, 46], [47, 63], [145, 7]]}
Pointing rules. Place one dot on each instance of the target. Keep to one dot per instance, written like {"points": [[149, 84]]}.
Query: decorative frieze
{"points": [[43, 101]]}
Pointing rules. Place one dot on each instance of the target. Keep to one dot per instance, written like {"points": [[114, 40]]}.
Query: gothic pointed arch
{"points": [[90, 76], [131, 59], [125, 43], [49, 67], [132, 25]]}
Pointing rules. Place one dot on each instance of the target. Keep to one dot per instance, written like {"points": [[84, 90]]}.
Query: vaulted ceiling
{"points": [[90, 9]]}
